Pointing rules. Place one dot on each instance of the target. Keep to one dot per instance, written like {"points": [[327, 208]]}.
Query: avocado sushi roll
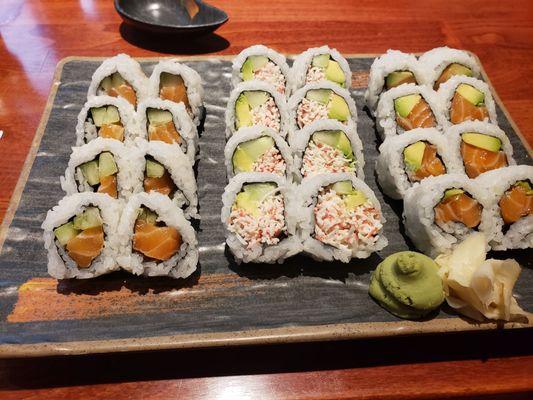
{"points": [[327, 146], [321, 101], [119, 76], [258, 149], [442, 63], [260, 225], [168, 122], [80, 236], [340, 218], [467, 99], [256, 103], [320, 64], [176, 82], [155, 238], [412, 157], [263, 64], [106, 117], [480, 147]]}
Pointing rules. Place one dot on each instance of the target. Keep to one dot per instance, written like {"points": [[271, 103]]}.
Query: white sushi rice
{"points": [[436, 60], [60, 265], [180, 265], [182, 122], [390, 165]]}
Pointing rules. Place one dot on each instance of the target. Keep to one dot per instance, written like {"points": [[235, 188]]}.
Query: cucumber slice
{"points": [[90, 218], [320, 95], [145, 214], [154, 169], [66, 232], [106, 165], [321, 61], [90, 172], [158, 117], [99, 115], [256, 97]]}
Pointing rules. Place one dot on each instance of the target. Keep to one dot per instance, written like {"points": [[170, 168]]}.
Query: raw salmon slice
{"points": [[164, 132], [459, 208], [431, 164], [515, 204], [156, 242], [125, 91], [112, 131], [163, 185], [108, 184], [477, 160], [86, 246], [176, 92], [420, 116], [462, 110]]}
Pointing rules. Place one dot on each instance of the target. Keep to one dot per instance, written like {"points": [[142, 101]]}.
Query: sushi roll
{"points": [[106, 117], [263, 64], [168, 122], [320, 101], [412, 157], [101, 166], [467, 99], [407, 107], [327, 146], [442, 63], [256, 103], [163, 168], [258, 149], [155, 238], [441, 211], [259, 220], [173, 81], [320, 64], [80, 236], [119, 76], [479, 146], [340, 218], [392, 69], [511, 197]]}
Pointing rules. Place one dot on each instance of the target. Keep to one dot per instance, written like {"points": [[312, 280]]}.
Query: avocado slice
{"points": [[335, 139], [403, 105], [394, 78], [321, 61], [66, 232], [354, 199], [482, 141], [99, 115], [117, 79], [320, 95], [452, 192], [158, 117], [256, 97], [247, 153], [242, 112], [145, 214], [247, 70], [168, 79], [334, 73], [459, 69], [338, 109], [413, 155], [526, 185], [90, 218], [470, 93], [106, 165], [252, 194], [242, 162], [90, 172], [154, 169]]}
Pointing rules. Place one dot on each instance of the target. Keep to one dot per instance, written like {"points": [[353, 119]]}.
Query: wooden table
{"points": [[37, 34]]}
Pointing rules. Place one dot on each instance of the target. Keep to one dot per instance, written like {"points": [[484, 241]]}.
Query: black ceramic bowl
{"points": [[185, 17]]}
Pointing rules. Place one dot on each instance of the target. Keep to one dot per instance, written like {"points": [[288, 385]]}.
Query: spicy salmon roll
{"points": [[480, 147], [258, 149], [412, 157], [327, 146], [256, 103], [321, 101], [259, 220], [467, 99], [155, 238], [442, 63], [320, 64], [80, 236], [441, 211], [106, 117], [176, 82], [262, 64], [340, 218], [168, 122], [119, 76]]}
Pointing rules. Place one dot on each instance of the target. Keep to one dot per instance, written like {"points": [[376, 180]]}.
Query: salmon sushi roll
{"points": [[155, 238], [119, 76], [480, 146], [80, 236]]}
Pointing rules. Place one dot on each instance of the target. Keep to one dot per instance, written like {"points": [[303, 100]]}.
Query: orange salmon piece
{"points": [[176, 91], [156, 242], [126, 91], [478, 160], [459, 208], [86, 246], [420, 116], [164, 132], [164, 185], [112, 131], [431, 164], [515, 204], [462, 110], [108, 184]]}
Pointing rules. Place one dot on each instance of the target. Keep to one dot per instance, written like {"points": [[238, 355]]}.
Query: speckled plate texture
{"points": [[222, 304]]}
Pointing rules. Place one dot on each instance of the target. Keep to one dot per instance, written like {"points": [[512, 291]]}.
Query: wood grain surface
{"points": [[37, 34]]}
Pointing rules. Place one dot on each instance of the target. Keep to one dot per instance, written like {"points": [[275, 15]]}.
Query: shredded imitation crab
{"points": [[271, 161], [315, 74], [264, 228], [321, 158], [267, 114], [310, 111], [340, 227], [271, 73]]}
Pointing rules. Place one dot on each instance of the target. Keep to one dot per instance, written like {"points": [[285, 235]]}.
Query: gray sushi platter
{"points": [[222, 304]]}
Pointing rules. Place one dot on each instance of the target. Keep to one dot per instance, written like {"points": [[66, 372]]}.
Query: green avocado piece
{"points": [[112, 115], [452, 192], [474, 96], [257, 147], [90, 218], [106, 165], [252, 194], [320, 95], [413, 155], [459, 69], [247, 70], [158, 117], [107, 83], [403, 105], [258, 62], [145, 214], [99, 115], [256, 97], [242, 162], [90, 172], [154, 169], [335, 139], [526, 185], [338, 109], [354, 199], [66, 232], [242, 112], [117, 79], [334, 73], [482, 141], [394, 78], [168, 79], [321, 61]]}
